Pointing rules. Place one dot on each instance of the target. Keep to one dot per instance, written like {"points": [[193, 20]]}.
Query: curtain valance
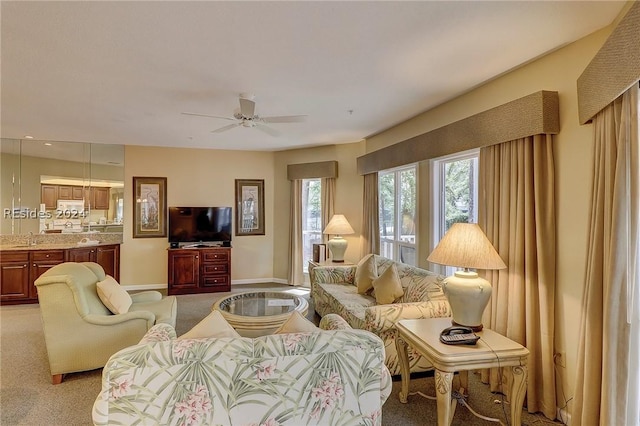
{"points": [[321, 169], [537, 113], [614, 69]]}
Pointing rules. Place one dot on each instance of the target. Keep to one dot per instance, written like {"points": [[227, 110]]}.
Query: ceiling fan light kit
{"points": [[247, 117]]}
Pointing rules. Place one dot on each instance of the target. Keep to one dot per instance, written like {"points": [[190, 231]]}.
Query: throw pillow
{"points": [[387, 286], [366, 272], [113, 296], [296, 323], [213, 325]]}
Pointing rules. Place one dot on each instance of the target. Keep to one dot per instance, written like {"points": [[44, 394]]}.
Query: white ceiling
{"points": [[122, 72]]}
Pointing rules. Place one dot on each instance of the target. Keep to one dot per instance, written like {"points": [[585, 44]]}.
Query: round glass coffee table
{"points": [[259, 313]]}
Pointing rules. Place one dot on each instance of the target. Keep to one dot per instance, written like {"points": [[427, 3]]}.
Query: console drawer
{"points": [[15, 256], [221, 280], [48, 255], [215, 256], [214, 269]]}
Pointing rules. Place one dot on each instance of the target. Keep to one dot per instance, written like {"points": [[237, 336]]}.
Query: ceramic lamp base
{"points": [[468, 295], [337, 247]]}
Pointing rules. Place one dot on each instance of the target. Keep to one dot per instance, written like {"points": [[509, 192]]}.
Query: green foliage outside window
{"points": [[458, 196]]}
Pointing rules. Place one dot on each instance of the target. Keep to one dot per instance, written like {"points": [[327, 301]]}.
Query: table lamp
{"points": [[338, 226], [466, 246]]}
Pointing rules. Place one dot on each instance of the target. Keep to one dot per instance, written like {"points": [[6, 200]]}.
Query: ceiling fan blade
{"points": [[284, 119], [227, 127], [268, 130], [247, 107], [207, 115]]}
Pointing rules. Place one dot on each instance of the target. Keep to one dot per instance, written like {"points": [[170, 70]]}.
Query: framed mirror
{"points": [[61, 187]]}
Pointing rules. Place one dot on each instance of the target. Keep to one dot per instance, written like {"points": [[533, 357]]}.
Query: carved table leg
{"points": [[518, 389], [443, 394], [403, 359]]}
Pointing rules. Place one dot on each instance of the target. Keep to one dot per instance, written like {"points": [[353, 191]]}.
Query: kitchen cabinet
{"points": [[107, 256], [199, 270], [96, 198], [49, 196], [14, 275], [100, 197], [19, 269], [41, 261], [65, 192]]}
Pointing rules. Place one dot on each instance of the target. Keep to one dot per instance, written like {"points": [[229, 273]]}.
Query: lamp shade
{"points": [[466, 246], [338, 225]]}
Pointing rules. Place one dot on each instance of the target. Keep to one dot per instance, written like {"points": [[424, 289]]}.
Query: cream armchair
{"points": [[80, 332]]}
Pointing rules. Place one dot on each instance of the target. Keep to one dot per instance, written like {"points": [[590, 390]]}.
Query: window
{"points": [[311, 219], [397, 214], [455, 180]]}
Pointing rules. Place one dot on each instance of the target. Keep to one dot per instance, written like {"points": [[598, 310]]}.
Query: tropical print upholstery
{"points": [[334, 377], [334, 291]]}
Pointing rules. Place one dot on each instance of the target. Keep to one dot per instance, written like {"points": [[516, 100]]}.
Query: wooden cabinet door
{"points": [[49, 196], [65, 192], [77, 193], [184, 271], [41, 261], [14, 276], [109, 258], [100, 198], [85, 254]]}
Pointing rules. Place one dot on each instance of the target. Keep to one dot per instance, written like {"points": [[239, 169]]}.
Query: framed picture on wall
{"points": [[149, 207], [249, 207]]}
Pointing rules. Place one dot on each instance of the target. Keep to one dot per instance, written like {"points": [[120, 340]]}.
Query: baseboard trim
{"points": [[260, 281], [142, 287]]}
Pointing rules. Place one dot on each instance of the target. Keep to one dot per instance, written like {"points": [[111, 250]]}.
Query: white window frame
{"points": [[438, 200], [396, 242], [305, 261]]}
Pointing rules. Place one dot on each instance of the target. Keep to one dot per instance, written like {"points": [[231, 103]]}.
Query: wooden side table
{"points": [[492, 350], [313, 264]]}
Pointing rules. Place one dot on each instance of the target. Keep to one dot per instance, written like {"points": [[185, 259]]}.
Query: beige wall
{"points": [[348, 199], [573, 152], [197, 177]]}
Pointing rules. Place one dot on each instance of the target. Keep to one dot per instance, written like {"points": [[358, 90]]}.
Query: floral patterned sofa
{"points": [[332, 376], [334, 290]]}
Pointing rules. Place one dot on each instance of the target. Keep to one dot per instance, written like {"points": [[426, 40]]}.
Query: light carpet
{"points": [[27, 396]]}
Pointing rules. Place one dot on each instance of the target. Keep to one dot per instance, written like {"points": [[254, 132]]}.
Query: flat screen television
{"points": [[200, 224]]}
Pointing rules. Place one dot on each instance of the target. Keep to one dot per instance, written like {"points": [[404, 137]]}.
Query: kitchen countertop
{"points": [[55, 241], [51, 246]]}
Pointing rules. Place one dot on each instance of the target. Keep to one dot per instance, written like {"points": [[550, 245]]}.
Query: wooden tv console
{"points": [[199, 270]]}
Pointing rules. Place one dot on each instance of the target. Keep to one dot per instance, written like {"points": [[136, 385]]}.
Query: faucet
{"points": [[32, 239]]}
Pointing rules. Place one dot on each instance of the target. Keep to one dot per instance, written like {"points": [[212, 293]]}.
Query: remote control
{"points": [[459, 339]]}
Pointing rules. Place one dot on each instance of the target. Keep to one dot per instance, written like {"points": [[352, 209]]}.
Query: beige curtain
{"points": [[608, 373], [295, 276], [327, 197], [370, 242], [516, 211]]}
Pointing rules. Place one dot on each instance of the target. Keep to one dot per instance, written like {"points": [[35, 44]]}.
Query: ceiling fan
{"points": [[246, 117]]}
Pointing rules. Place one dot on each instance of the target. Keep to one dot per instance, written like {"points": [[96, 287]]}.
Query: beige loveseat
{"points": [[333, 376], [79, 331], [334, 290]]}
